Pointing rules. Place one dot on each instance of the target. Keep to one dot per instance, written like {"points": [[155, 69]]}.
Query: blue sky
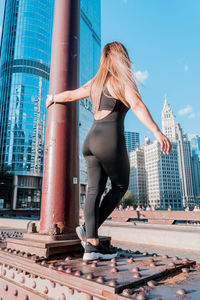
{"points": [[162, 38]]}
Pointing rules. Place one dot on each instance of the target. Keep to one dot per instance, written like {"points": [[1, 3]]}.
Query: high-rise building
{"points": [[24, 82], [162, 176], [175, 133], [195, 145], [132, 140], [137, 182], [185, 166], [90, 51], [195, 161], [168, 121]]}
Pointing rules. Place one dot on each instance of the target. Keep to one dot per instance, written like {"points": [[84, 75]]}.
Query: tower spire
{"points": [[165, 102]]}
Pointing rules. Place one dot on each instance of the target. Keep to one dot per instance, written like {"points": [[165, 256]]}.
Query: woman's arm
{"points": [[142, 113], [70, 95]]}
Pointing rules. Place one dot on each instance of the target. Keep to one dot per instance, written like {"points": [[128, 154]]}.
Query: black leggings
{"points": [[106, 155]]}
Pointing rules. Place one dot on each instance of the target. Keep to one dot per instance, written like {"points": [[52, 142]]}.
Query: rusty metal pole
{"points": [[60, 190]]}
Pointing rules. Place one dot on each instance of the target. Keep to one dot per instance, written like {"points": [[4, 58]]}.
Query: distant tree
{"points": [[128, 199]]}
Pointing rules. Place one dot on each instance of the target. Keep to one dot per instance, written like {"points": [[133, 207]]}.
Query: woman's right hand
{"points": [[164, 142], [49, 100]]}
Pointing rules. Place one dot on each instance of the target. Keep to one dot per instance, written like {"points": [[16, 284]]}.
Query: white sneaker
{"points": [[80, 231], [95, 252]]}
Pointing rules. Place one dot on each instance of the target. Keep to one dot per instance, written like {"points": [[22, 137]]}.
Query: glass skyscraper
{"points": [[25, 54], [132, 140], [90, 50], [24, 82]]}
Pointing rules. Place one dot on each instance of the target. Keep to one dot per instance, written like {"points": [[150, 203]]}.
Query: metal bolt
{"points": [[181, 292], [171, 265], [4, 272], [141, 296], [12, 275], [68, 258], [6, 287], [26, 297], [151, 283], [78, 273], [100, 279], [34, 285], [175, 258], [15, 293], [136, 269], [112, 283], [68, 270], [130, 260], [62, 297], [94, 265], [53, 284], [22, 279], [126, 292], [61, 268], [136, 275], [45, 291], [71, 291], [52, 266], [114, 270], [185, 270], [152, 264], [90, 276], [44, 262]]}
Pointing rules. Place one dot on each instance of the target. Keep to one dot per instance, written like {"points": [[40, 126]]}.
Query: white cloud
{"points": [[186, 68], [141, 76], [185, 110], [193, 115]]}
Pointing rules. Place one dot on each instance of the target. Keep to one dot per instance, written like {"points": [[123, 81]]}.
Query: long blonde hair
{"points": [[115, 66]]}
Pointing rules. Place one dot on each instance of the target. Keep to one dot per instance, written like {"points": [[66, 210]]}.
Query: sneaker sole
{"points": [[96, 255], [80, 232]]}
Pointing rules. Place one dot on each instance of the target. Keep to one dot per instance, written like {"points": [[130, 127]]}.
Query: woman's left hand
{"points": [[49, 101], [164, 142]]}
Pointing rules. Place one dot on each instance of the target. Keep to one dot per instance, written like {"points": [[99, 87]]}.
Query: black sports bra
{"points": [[110, 103]]}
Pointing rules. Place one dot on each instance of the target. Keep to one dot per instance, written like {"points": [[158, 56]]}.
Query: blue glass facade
{"points": [[24, 82], [89, 55], [195, 145], [132, 140]]}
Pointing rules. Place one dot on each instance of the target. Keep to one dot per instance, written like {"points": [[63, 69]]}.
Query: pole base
{"points": [[46, 246]]}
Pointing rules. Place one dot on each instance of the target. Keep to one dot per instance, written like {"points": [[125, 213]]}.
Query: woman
{"points": [[113, 92]]}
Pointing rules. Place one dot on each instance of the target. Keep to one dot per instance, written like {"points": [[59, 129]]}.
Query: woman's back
{"points": [[110, 109]]}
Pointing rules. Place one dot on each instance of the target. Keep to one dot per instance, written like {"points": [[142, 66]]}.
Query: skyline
{"points": [[161, 39]]}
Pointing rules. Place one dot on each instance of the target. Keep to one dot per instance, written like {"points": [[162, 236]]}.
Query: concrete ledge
{"points": [[185, 237], [169, 236], [15, 224]]}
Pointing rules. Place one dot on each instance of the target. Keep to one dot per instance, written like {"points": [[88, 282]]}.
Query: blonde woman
{"points": [[113, 92]]}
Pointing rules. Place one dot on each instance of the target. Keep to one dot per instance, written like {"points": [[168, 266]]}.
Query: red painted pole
{"points": [[60, 190]]}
